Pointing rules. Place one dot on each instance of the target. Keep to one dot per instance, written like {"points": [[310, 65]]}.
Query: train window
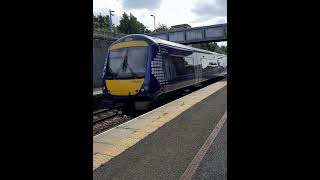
{"points": [[208, 65], [177, 66], [116, 60], [127, 62], [204, 63], [183, 65], [189, 65], [168, 67], [136, 59]]}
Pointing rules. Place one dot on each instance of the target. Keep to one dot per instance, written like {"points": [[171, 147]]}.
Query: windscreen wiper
{"points": [[112, 74], [125, 64], [132, 72]]}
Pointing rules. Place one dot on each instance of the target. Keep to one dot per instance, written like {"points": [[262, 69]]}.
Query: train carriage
{"points": [[139, 68]]}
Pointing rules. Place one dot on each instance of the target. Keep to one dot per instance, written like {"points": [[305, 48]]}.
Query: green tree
{"points": [[224, 49], [147, 30], [211, 46], [214, 47], [130, 24], [206, 46], [161, 27], [134, 24], [124, 25], [101, 22], [115, 30]]}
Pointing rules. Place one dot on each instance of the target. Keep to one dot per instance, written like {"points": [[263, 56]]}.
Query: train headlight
{"points": [[141, 89]]}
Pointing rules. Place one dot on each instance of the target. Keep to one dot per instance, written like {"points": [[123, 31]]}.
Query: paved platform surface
{"points": [[214, 163], [165, 149]]}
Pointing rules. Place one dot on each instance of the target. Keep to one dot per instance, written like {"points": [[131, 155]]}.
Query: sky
{"points": [[169, 12]]}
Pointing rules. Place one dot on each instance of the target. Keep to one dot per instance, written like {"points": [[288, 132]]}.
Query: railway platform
{"points": [[184, 139]]}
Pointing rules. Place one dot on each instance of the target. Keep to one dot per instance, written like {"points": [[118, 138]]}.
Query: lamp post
{"points": [[154, 21], [110, 17]]}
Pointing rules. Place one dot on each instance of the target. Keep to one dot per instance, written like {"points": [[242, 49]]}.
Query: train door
{"points": [[167, 72], [206, 68], [198, 68], [220, 68], [214, 65]]}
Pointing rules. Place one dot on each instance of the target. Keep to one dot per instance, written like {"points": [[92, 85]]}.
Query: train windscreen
{"points": [[127, 63]]}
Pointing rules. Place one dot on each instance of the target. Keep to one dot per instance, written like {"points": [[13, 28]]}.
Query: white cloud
{"points": [[169, 12], [112, 4], [212, 21], [140, 4], [210, 9]]}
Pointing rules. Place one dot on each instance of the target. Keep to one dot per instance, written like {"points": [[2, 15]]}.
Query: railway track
{"points": [[109, 117], [105, 119], [104, 114]]}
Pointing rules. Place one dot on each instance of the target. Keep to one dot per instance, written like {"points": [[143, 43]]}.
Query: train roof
{"points": [[169, 43]]}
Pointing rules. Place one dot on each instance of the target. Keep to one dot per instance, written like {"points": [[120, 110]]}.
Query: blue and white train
{"points": [[140, 68]]}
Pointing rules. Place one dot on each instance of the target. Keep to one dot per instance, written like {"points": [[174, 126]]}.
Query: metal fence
{"points": [[107, 35]]}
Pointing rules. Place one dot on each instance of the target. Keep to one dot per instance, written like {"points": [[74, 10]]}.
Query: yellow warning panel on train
{"points": [[124, 87]]}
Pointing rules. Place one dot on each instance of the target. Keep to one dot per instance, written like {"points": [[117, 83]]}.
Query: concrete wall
{"points": [[100, 48]]}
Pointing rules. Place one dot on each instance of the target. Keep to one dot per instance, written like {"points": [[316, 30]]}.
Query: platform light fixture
{"points": [[154, 21]]}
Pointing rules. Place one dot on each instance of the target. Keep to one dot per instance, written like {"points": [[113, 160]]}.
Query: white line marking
{"points": [[193, 166]]}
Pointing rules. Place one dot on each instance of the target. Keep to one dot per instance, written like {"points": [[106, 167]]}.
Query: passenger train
{"points": [[140, 68]]}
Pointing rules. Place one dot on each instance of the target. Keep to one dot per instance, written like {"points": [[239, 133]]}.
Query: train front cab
{"points": [[126, 77]]}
